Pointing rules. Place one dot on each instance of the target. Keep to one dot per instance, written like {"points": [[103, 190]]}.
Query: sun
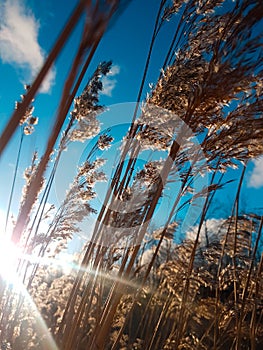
{"points": [[9, 257], [9, 253]]}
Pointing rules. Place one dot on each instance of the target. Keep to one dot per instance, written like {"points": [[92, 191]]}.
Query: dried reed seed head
{"points": [[104, 141], [28, 120], [206, 84], [86, 107]]}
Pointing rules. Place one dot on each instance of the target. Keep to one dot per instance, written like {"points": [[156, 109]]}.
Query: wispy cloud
{"points": [[19, 44], [109, 82], [212, 229], [256, 176]]}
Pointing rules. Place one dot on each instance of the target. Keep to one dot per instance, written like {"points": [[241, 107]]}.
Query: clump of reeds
{"points": [[130, 291]]}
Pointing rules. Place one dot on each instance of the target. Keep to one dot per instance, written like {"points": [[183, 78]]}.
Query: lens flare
{"points": [[9, 255]]}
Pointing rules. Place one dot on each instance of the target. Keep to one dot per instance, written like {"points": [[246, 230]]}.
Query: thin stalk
{"points": [[190, 268], [14, 179], [133, 128], [74, 91], [90, 38], [245, 290], [72, 331], [105, 326], [164, 232], [48, 187], [253, 326], [222, 255], [157, 326], [17, 115], [98, 343], [154, 35], [144, 322], [170, 53], [236, 297]]}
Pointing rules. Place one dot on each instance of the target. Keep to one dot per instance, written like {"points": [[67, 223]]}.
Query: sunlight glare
{"points": [[9, 255]]}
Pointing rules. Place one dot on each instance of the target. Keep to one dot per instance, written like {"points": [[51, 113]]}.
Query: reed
{"points": [[133, 286]]}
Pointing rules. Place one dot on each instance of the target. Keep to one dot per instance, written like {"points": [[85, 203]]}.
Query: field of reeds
{"points": [[135, 284]]}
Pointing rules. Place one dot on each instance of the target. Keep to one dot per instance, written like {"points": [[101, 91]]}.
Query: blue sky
{"points": [[28, 31]]}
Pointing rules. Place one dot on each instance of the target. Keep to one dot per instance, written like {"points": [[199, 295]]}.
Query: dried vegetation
{"points": [[132, 287]]}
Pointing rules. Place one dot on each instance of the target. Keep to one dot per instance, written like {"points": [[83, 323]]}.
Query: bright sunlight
{"points": [[9, 253]]}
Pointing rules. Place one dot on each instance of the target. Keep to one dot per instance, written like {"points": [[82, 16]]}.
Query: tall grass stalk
{"points": [[135, 286]]}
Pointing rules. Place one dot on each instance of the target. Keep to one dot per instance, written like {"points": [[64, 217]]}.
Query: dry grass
{"points": [[129, 291]]}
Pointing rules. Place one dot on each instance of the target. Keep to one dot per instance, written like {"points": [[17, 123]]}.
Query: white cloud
{"points": [[211, 229], [115, 69], [109, 82], [19, 40], [256, 176], [165, 250]]}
